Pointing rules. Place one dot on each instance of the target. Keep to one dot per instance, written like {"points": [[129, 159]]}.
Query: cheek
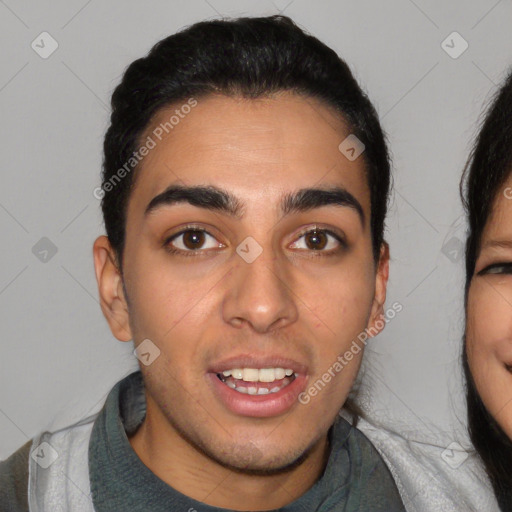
{"points": [[488, 337], [338, 309], [481, 329], [489, 319], [163, 298], [345, 310]]}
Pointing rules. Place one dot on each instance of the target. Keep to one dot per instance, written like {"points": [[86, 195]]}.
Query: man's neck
{"points": [[172, 459]]}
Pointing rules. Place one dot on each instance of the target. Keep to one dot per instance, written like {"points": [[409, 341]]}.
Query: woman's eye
{"points": [[318, 240], [497, 268], [191, 240]]}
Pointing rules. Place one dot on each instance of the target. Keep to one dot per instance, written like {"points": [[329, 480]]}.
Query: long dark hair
{"points": [[489, 165]]}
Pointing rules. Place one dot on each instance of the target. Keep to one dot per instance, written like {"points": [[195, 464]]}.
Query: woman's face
{"points": [[489, 313]]}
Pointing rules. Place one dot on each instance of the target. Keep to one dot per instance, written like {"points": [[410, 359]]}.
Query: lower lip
{"points": [[261, 406]]}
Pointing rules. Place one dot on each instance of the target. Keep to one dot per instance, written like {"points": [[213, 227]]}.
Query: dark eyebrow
{"points": [[217, 199], [309, 198]]}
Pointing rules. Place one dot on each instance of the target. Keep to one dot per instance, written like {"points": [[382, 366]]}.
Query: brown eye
{"points": [[316, 240], [322, 241], [193, 239]]}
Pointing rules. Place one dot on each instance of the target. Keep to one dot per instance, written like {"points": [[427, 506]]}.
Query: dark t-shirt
{"points": [[355, 477]]}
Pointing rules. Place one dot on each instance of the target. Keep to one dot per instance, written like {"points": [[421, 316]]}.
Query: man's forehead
{"points": [[190, 161], [288, 116]]}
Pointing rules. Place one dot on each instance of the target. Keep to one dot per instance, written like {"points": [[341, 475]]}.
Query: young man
{"points": [[244, 191]]}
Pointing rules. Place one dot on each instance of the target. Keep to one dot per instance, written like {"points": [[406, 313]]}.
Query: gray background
{"points": [[58, 358]]}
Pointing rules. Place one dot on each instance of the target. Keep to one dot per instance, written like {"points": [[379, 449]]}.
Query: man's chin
{"points": [[262, 467], [250, 460]]}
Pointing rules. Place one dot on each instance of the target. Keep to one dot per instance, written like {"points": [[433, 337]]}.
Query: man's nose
{"points": [[260, 291]]}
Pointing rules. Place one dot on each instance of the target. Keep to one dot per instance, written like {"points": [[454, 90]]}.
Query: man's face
{"points": [[217, 306]]}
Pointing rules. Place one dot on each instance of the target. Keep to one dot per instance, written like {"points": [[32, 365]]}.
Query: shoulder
{"points": [[14, 480], [16, 470], [424, 476]]}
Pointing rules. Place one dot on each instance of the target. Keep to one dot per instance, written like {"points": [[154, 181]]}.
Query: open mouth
{"points": [[265, 386], [257, 381]]}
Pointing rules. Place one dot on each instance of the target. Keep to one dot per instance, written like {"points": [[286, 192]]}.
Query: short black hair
{"points": [[488, 167], [248, 57]]}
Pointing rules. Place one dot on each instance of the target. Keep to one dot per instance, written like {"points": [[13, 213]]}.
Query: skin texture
{"points": [[292, 300], [489, 316]]}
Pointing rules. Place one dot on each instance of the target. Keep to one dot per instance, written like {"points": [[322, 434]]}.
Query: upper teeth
{"points": [[261, 374]]}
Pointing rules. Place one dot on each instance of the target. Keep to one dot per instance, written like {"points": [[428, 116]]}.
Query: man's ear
{"points": [[381, 281], [110, 286]]}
